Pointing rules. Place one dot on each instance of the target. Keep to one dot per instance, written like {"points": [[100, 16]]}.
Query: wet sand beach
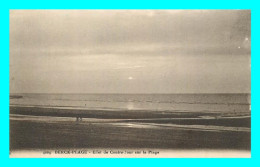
{"points": [[44, 128]]}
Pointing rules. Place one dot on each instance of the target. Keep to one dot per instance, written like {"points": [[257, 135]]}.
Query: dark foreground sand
{"points": [[34, 134]]}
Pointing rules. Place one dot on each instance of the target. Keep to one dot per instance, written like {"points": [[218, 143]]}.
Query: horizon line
{"points": [[137, 93]]}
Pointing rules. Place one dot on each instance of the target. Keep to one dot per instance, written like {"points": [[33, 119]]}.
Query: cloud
{"points": [[97, 50], [109, 29]]}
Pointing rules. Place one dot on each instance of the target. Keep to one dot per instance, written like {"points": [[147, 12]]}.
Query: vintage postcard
{"points": [[130, 83]]}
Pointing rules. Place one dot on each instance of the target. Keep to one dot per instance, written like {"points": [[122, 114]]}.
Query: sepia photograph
{"points": [[130, 83]]}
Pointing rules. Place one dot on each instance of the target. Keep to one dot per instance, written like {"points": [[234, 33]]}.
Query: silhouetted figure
{"points": [[78, 119]]}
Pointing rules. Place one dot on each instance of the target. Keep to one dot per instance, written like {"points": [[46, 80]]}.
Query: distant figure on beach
{"points": [[78, 119]]}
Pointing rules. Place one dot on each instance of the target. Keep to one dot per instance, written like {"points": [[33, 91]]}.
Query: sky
{"points": [[130, 51]]}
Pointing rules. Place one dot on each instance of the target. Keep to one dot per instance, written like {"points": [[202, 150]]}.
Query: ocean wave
{"points": [[121, 123], [151, 101], [183, 127], [164, 111]]}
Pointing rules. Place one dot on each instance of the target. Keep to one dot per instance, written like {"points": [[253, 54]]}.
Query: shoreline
{"points": [[44, 128], [27, 134]]}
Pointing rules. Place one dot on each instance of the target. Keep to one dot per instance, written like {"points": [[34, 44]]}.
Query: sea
{"points": [[225, 103]]}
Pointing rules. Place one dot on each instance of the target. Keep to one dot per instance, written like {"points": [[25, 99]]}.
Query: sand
{"points": [[32, 128]]}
